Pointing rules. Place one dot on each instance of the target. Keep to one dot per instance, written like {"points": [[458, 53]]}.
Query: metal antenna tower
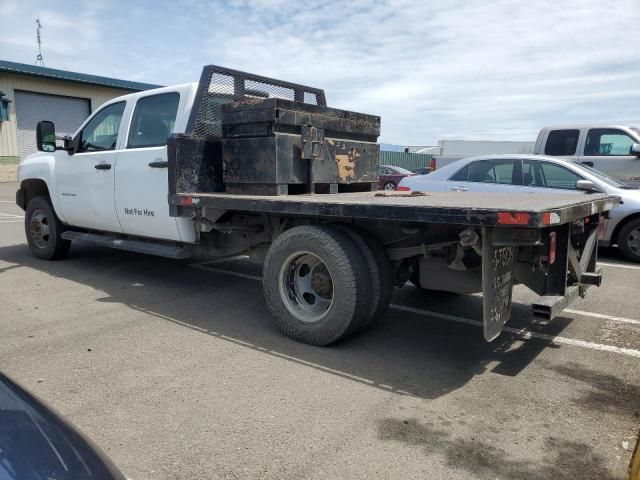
{"points": [[39, 58]]}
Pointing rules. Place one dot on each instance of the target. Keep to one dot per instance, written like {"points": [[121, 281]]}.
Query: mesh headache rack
{"points": [[220, 85]]}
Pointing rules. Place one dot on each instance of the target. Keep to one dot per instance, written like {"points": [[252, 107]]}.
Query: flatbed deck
{"points": [[462, 208]]}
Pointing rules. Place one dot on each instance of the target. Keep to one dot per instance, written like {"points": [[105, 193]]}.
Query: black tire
{"points": [[43, 230], [629, 240], [380, 273], [389, 186], [304, 317]]}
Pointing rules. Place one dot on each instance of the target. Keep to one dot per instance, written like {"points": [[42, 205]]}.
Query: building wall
{"points": [[9, 83]]}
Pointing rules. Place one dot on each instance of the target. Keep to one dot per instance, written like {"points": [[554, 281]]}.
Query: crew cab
{"points": [[244, 164], [613, 149]]}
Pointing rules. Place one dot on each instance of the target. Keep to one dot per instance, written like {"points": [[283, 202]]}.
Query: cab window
{"points": [[548, 175], [608, 142], [493, 171], [153, 120], [562, 142], [101, 133], [460, 175]]}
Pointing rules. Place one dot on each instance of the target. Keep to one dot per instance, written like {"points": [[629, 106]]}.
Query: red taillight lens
{"points": [[513, 218], [402, 188], [552, 248]]}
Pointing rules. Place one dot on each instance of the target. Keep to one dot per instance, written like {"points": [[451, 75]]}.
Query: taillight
{"points": [[432, 164], [552, 248], [402, 188]]}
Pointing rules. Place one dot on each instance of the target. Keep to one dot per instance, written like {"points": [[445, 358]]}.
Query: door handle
{"points": [[588, 164], [159, 164], [459, 188], [102, 166]]}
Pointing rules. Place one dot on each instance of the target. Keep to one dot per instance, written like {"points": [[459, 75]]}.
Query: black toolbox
{"points": [[273, 146]]}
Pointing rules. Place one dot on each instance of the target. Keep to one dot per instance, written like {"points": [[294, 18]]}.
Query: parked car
{"points": [[532, 174], [612, 149], [37, 443], [390, 176]]}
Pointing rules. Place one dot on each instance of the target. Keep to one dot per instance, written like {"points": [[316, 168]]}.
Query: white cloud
{"points": [[447, 69]]}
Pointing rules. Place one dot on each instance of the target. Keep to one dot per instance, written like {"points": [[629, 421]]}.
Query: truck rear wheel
{"points": [[43, 230], [629, 240], [380, 274], [315, 284]]}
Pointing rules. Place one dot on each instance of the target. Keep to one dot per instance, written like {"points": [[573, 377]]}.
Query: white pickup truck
{"points": [[613, 149], [267, 169]]}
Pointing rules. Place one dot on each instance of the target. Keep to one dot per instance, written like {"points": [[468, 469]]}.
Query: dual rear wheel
{"points": [[322, 283]]}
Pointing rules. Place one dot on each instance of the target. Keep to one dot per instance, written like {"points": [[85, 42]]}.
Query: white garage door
{"points": [[66, 112]]}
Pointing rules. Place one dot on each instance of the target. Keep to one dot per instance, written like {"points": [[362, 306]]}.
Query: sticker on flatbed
{"points": [[497, 284]]}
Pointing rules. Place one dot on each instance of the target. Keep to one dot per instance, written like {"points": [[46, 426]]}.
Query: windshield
{"points": [[401, 170], [604, 177]]}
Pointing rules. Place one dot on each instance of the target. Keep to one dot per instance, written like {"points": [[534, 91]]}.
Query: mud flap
{"points": [[497, 284]]}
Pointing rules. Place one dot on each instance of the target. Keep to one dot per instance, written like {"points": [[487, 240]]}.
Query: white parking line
{"points": [[603, 316], [10, 215], [524, 334], [619, 265], [10, 221]]}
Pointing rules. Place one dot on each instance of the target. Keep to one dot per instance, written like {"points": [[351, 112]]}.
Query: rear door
{"points": [[141, 168], [609, 150], [489, 175]]}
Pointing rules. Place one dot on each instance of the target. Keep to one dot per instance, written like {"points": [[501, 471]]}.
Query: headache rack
{"points": [[249, 134]]}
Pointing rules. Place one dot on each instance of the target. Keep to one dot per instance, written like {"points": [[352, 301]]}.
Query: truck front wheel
{"points": [[43, 230], [629, 240], [315, 284]]}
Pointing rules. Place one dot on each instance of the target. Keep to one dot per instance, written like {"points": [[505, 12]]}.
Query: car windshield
{"points": [[605, 178], [401, 170]]}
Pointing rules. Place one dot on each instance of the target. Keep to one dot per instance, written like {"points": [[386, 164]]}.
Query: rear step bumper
{"points": [[139, 246], [549, 306]]}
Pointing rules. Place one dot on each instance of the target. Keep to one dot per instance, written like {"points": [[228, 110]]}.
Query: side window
{"points": [[460, 175], [607, 141], [153, 120], [101, 133], [562, 142], [549, 175], [492, 171]]}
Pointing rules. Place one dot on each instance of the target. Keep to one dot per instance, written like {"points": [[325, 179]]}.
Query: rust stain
{"points": [[346, 164]]}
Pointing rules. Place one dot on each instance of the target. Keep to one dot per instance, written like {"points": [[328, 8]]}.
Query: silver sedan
{"points": [[531, 174]]}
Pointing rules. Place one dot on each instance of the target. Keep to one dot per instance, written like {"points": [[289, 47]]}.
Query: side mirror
{"points": [[635, 149], [46, 136], [587, 186]]}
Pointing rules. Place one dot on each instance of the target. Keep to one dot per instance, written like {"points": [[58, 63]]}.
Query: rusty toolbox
{"points": [[274, 146]]}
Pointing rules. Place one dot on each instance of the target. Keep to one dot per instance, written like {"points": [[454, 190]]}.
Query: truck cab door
{"points": [[85, 178], [141, 178], [609, 150]]}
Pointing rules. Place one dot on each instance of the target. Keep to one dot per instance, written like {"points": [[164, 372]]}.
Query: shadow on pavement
{"points": [[561, 458], [408, 354]]}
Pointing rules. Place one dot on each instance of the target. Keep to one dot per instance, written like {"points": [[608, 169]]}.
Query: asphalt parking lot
{"points": [[175, 369]]}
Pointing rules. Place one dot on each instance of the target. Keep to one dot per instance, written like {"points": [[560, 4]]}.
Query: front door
{"points": [[609, 150], [141, 170], [85, 179]]}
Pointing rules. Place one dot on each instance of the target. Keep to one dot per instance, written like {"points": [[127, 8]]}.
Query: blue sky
{"points": [[473, 69]]}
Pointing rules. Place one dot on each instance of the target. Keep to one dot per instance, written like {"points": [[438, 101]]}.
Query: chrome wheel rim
{"points": [[633, 241], [389, 186], [306, 287], [39, 229]]}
